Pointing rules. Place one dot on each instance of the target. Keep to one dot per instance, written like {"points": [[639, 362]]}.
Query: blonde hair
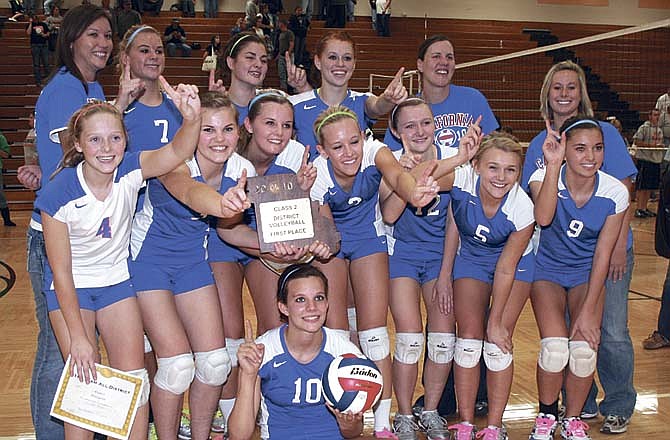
{"points": [[330, 116], [129, 38], [585, 107], [500, 141]]}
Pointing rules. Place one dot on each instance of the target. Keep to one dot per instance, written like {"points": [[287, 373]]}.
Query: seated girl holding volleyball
{"points": [[281, 371]]}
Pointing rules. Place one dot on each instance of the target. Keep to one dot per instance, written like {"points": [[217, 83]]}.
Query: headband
{"points": [[232, 49], [288, 273], [332, 115], [135, 32], [87, 110], [581, 122], [263, 95], [395, 109]]}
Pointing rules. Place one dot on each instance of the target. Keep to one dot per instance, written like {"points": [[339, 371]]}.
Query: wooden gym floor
{"points": [[652, 375]]}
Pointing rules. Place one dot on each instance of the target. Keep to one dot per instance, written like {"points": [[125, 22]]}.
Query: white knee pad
{"points": [[468, 352], [441, 347], [582, 359], [375, 343], [408, 347], [344, 333], [146, 387], [212, 367], [175, 373], [233, 345], [147, 345], [554, 354], [495, 359], [351, 315]]}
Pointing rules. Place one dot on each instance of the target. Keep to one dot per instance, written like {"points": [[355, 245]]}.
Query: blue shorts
{"points": [[422, 265], [567, 279], [466, 268], [95, 298], [355, 249], [220, 251], [175, 278]]}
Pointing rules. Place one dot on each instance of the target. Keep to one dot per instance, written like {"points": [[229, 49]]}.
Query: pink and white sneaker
{"points": [[463, 431], [545, 426], [492, 433], [385, 433], [573, 428]]}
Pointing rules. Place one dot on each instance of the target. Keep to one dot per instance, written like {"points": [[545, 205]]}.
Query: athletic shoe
{"points": [[641, 213], [615, 424], [588, 415], [219, 422], [417, 409], [434, 426], [573, 428], [184, 428], [492, 433], [545, 426], [385, 433], [650, 213], [404, 427], [655, 341], [463, 431]]}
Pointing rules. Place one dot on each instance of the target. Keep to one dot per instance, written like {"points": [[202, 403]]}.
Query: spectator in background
{"points": [[38, 31], [298, 23], [275, 7], [307, 7], [49, 4], [649, 135], [211, 8], [17, 10], [373, 13], [126, 18], [4, 209], [351, 5], [53, 21], [663, 104], [29, 7], [175, 38], [153, 6], [286, 44], [383, 18], [337, 14], [251, 11], [188, 8], [215, 48], [240, 26]]}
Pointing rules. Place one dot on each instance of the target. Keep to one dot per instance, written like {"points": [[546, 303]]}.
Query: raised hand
{"points": [[235, 200], [469, 143], [185, 97], [426, 188], [250, 354], [396, 92], [129, 88], [215, 85], [408, 160], [307, 172], [553, 147], [296, 75]]}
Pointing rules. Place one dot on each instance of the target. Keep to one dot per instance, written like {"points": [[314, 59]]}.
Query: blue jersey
{"points": [[166, 231], [308, 105], [453, 116], [99, 230], [422, 228], [569, 242], [232, 170], [62, 96], [356, 212], [149, 128], [242, 112], [292, 404], [483, 238], [616, 162]]}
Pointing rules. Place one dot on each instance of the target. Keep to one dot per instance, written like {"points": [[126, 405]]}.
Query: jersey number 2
{"points": [[105, 230], [312, 390]]}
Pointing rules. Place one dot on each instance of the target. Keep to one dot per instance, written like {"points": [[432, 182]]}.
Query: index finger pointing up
{"points": [[167, 87], [398, 75], [248, 331]]}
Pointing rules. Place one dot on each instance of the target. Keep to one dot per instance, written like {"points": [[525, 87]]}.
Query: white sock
{"points": [[382, 415], [226, 407]]}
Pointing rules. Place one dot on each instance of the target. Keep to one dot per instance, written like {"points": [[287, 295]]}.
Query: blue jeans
{"points": [[48, 360], [664, 313], [211, 8], [172, 49], [615, 353]]}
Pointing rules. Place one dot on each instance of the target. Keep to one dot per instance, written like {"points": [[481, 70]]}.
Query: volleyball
{"points": [[352, 383]]}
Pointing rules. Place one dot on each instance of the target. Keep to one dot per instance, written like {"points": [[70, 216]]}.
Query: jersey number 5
{"points": [[105, 230], [575, 228], [312, 390], [479, 233]]}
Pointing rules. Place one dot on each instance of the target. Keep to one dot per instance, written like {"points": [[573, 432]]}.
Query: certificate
{"points": [[106, 405]]}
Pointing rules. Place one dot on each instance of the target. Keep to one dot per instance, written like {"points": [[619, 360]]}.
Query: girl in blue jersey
{"points": [[280, 372], [349, 172], [86, 213], [335, 59], [493, 218], [580, 210], [414, 276], [176, 291]]}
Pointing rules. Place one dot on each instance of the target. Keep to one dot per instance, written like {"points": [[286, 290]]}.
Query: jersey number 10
{"points": [[312, 390]]}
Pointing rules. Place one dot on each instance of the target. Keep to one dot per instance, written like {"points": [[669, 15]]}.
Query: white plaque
{"points": [[285, 220]]}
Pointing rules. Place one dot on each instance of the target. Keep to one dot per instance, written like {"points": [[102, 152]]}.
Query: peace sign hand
{"points": [[185, 97], [130, 88], [469, 143], [553, 147], [250, 354], [396, 92], [426, 188], [235, 200]]}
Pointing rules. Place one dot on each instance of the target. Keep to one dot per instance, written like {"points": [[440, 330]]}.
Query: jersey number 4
{"points": [[312, 391], [105, 230]]}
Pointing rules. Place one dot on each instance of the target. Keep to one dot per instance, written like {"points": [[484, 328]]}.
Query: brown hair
{"points": [[255, 107], [409, 102], [315, 74]]}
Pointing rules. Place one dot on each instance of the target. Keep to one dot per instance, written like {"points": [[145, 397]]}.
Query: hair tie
{"points": [[581, 122], [232, 49], [351, 114], [135, 32]]}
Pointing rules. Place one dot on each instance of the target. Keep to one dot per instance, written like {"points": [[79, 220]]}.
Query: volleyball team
{"points": [[446, 209]]}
